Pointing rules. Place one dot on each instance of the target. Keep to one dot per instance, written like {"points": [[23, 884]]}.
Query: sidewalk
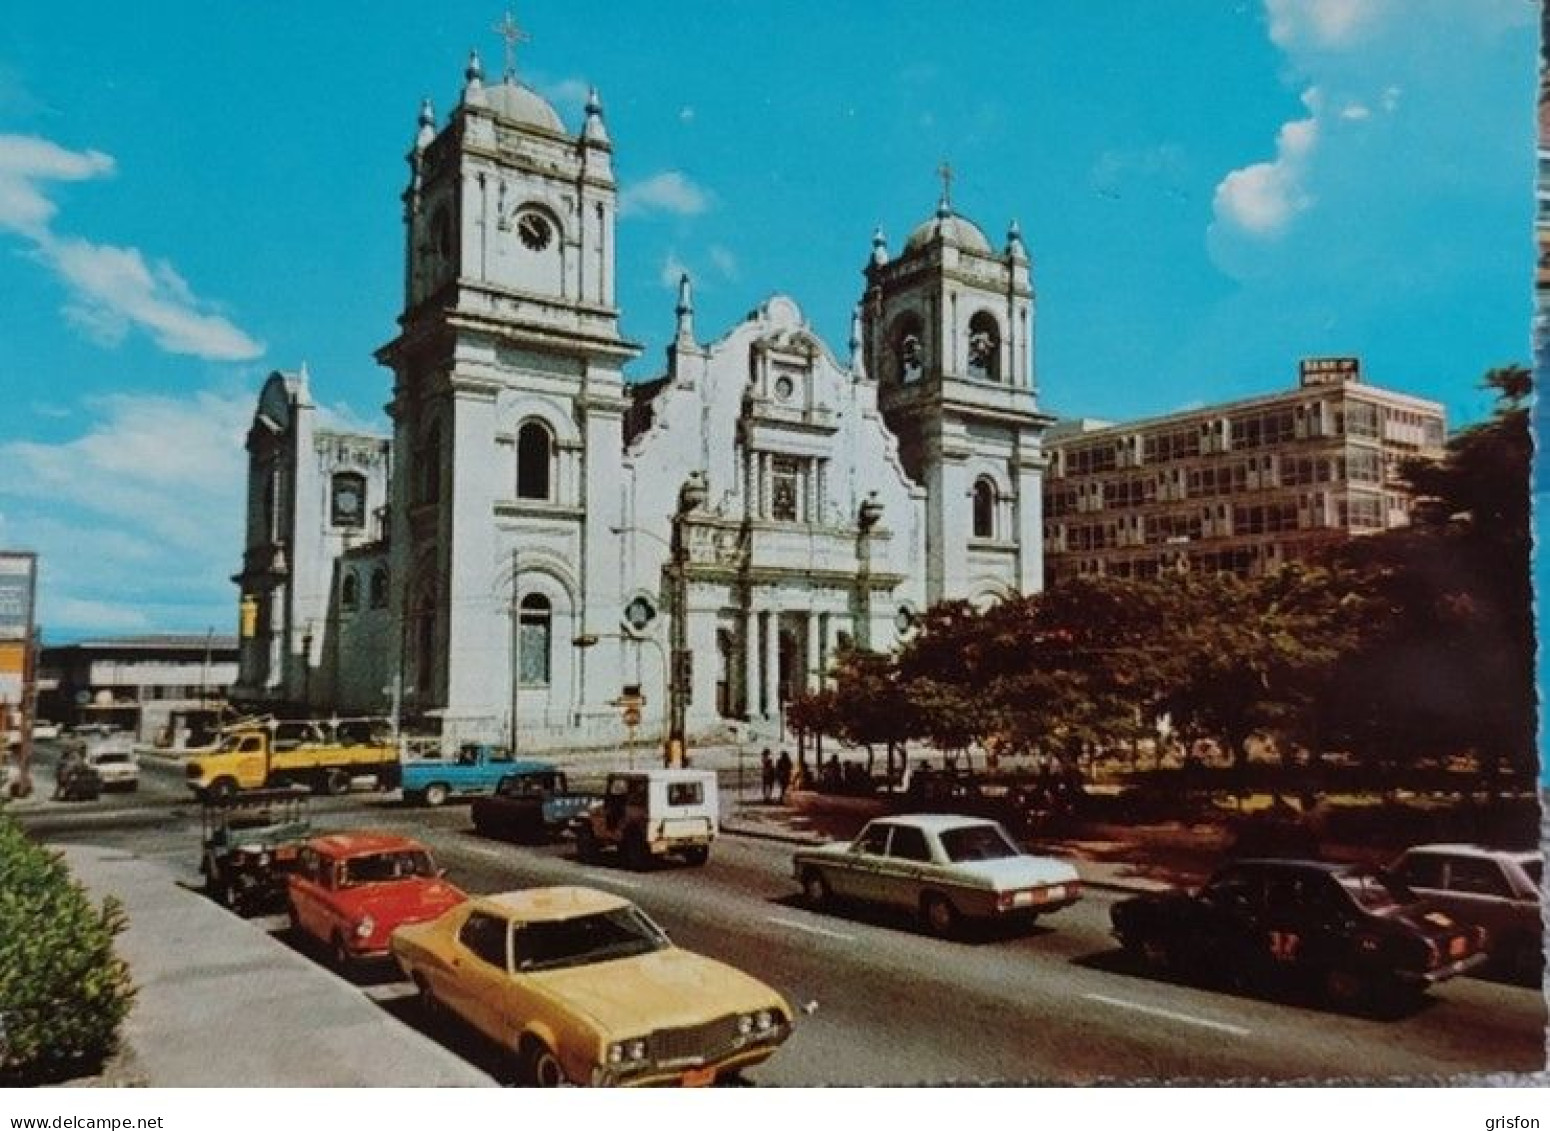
{"points": [[206, 976]]}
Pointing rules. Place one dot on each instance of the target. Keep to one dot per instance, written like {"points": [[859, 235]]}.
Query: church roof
{"points": [[516, 103], [955, 229]]}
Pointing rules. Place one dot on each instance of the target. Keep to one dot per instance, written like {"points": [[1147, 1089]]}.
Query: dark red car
{"points": [[1359, 934], [349, 891]]}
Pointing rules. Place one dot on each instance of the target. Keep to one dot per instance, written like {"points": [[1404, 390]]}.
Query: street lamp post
{"points": [[691, 495]]}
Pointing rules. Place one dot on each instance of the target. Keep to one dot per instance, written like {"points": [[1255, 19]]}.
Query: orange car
{"points": [[351, 890]]}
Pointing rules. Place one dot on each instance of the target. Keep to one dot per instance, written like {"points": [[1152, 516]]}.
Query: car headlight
{"points": [[744, 1024], [627, 1052], [764, 1020], [364, 928]]}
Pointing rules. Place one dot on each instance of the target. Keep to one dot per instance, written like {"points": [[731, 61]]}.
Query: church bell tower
{"points": [[949, 335]]}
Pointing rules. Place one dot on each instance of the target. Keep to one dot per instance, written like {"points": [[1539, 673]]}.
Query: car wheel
{"points": [[221, 790], [1345, 987], [340, 955], [815, 889], [428, 1003], [1526, 961], [636, 853], [939, 915], [538, 1067], [336, 783], [1152, 953], [696, 856], [435, 795], [586, 845]]}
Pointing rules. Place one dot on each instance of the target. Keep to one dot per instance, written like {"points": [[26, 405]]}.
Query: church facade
{"points": [[555, 539]]}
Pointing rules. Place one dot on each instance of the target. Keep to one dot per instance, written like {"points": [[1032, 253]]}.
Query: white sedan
{"points": [[946, 868]]}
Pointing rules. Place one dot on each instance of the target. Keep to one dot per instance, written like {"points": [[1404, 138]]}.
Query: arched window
{"points": [[908, 348], [535, 637], [350, 592], [984, 509], [535, 449], [379, 588], [984, 347]]}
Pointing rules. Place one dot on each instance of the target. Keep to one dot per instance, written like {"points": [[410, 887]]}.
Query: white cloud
{"points": [[1355, 112], [723, 260], [140, 511], [1260, 200], [670, 191], [26, 163], [112, 289], [1333, 24]]}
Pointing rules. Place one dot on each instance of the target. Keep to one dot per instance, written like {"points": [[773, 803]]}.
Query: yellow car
{"points": [[583, 988]]}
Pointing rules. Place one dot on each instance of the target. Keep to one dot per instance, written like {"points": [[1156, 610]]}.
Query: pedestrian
{"points": [[767, 774], [783, 774]]}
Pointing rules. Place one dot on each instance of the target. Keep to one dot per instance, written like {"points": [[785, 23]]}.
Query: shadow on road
{"points": [[1292, 992], [974, 932]]}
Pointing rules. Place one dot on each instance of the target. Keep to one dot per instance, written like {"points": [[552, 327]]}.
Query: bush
{"points": [[63, 992]]}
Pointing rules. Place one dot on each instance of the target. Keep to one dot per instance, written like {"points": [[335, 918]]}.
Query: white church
{"points": [[542, 542]]}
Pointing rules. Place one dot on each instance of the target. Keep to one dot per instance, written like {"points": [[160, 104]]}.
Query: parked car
{"points": [[945, 867], [1497, 888], [117, 767], [350, 891], [249, 843], [45, 731], [579, 986], [530, 804], [650, 814], [474, 769], [1357, 933]]}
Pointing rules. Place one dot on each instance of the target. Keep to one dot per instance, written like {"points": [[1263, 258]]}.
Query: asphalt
{"points": [[204, 974]]}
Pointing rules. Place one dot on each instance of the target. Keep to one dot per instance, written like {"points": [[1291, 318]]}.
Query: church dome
{"points": [[955, 229], [516, 103]]}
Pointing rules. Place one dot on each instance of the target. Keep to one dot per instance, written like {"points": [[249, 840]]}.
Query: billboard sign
{"points": [[1330, 370], [17, 586]]}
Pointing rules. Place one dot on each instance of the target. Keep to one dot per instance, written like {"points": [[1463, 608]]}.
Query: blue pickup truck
{"points": [[473, 770]]}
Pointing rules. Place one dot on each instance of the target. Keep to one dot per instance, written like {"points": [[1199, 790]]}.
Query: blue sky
{"points": [[192, 195]]}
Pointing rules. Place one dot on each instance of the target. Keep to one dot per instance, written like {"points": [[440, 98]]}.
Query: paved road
{"points": [[880, 1003]]}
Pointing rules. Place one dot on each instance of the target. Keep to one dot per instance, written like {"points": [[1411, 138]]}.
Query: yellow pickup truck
{"points": [[326, 757]]}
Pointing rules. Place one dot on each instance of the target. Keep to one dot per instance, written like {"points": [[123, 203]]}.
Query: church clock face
{"points": [[534, 231]]}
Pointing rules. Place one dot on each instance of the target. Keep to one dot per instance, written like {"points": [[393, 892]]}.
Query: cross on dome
{"points": [[512, 33], [945, 171]]}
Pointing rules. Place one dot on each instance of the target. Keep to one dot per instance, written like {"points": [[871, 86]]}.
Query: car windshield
{"points": [[552, 944], [977, 842], [382, 867], [1374, 891], [107, 759]]}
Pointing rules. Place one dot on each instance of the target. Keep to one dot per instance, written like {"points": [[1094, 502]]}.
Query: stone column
{"points": [[810, 678], [772, 664]]}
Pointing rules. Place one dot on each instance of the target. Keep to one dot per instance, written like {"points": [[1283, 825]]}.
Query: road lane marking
{"points": [[796, 926], [1188, 1019], [615, 880]]}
